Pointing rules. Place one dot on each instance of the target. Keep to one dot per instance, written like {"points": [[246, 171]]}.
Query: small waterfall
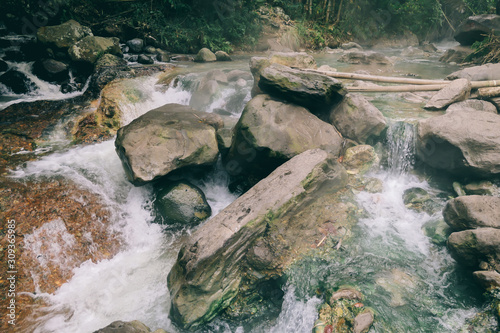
{"points": [[401, 147]]}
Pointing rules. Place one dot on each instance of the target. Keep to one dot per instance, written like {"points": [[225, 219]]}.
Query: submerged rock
{"points": [[360, 159], [358, 119], [473, 211], [213, 266], [461, 142], [270, 132], [182, 203], [165, 139], [419, 200], [313, 91], [438, 231]]}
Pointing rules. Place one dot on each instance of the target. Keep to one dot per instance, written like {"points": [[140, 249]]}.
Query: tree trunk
{"points": [[338, 13]]}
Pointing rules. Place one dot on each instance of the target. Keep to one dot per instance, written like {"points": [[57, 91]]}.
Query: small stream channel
{"points": [[412, 284]]}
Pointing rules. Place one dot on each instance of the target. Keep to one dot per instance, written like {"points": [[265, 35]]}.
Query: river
{"points": [[412, 284]]}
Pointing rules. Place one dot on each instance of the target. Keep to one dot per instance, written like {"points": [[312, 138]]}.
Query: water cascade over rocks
{"points": [[334, 235]]}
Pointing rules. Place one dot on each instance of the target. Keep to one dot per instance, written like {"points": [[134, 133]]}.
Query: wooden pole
{"points": [[489, 92], [387, 79], [428, 87]]}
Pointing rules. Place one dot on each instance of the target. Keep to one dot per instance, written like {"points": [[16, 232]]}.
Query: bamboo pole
{"points": [[489, 92], [387, 79], [428, 87]]}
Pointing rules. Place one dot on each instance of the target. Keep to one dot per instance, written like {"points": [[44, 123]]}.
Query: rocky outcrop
{"points": [[473, 105], [250, 241], [460, 143], [365, 58], [357, 119], [476, 27], [456, 91], [91, 48], [165, 139], [313, 91], [63, 35], [472, 212], [182, 203], [205, 55], [477, 73], [270, 132]]}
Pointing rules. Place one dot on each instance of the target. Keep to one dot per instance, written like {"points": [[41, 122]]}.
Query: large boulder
{"points": [[290, 59], [365, 58], [461, 142], [222, 56], [63, 35], [270, 132], [91, 48], [17, 81], [51, 70], [471, 247], [475, 28], [358, 119], [456, 91], [182, 203], [255, 238], [205, 55], [477, 73], [471, 212], [314, 91], [119, 326], [165, 139], [135, 45]]}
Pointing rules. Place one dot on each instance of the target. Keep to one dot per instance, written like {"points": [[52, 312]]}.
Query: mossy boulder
{"points": [[182, 203], [205, 55], [63, 35], [419, 200], [165, 139], [91, 48]]}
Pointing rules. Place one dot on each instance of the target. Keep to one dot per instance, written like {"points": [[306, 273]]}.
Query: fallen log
{"points": [[413, 88]]}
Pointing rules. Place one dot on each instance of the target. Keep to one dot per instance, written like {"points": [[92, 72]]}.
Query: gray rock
{"points": [[162, 55], [476, 27], [456, 91], [150, 49], [411, 51], [63, 35], [91, 48], [51, 70], [211, 266], [205, 55], [204, 95], [477, 73], [351, 45], [270, 132], [471, 212], [473, 105], [216, 75], [17, 81], [222, 56], [145, 59], [313, 91], [470, 247], [290, 59], [456, 54], [165, 139], [357, 119], [125, 327], [135, 45], [487, 279], [363, 322], [438, 231], [461, 143], [236, 74], [182, 203], [365, 58]]}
